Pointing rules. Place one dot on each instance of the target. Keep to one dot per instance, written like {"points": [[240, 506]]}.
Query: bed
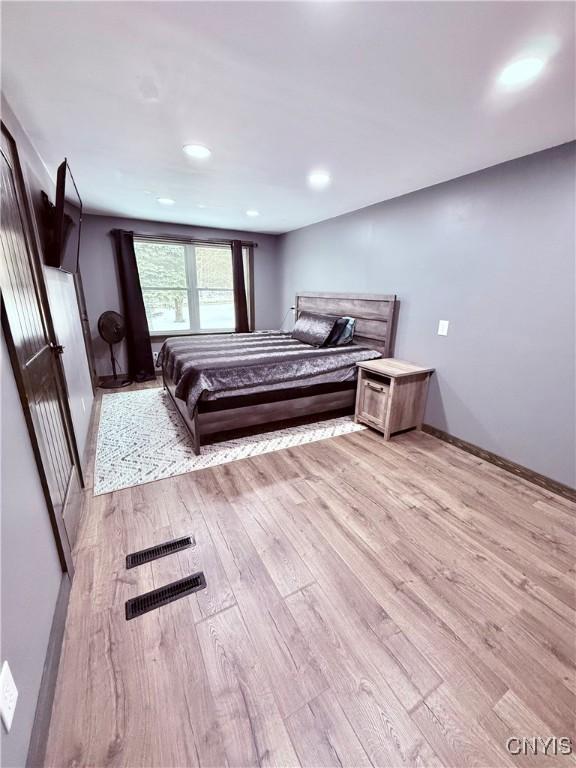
{"points": [[223, 385]]}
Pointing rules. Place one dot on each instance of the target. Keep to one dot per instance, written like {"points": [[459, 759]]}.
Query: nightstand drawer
{"points": [[373, 400]]}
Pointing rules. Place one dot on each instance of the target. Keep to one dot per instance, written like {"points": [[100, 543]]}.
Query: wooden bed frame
{"points": [[216, 419]]}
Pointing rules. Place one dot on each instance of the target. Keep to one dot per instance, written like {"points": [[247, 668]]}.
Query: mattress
{"points": [[224, 365]]}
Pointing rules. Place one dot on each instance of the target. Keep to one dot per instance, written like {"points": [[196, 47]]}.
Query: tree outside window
{"points": [[186, 287]]}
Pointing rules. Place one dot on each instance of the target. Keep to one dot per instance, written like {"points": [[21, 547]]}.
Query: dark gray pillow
{"points": [[313, 329], [342, 333], [335, 334], [347, 332]]}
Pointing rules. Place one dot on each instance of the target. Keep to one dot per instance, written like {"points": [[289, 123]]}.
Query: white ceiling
{"points": [[388, 96]]}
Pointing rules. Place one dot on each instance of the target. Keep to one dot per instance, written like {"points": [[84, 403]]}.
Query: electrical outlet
{"points": [[8, 696], [443, 327], [155, 356]]}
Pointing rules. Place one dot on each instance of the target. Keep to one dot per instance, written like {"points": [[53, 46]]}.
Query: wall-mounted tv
{"points": [[65, 223]]}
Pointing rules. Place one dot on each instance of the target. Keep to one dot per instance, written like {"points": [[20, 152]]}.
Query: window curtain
{"points": [[138, 345], [239, 284]]}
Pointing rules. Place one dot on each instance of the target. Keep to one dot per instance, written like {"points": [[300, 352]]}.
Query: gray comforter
{"points": [[242, 362]]}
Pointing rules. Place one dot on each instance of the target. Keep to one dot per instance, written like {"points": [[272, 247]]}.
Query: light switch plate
{"points": [[8, 696], [443, 327]]}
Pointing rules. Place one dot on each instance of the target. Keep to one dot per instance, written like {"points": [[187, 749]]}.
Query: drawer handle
{"points": [[376, 387]]}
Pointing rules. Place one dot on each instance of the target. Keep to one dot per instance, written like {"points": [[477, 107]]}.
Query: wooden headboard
{"points": [[375, 315]]}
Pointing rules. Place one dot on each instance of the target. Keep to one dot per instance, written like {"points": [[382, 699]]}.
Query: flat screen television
{"points": [[65, 223]]}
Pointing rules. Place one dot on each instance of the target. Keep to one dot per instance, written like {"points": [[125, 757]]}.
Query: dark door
{"points": [[26, 324]]}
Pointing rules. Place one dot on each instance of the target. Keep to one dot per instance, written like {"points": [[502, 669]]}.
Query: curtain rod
{"points": [[205, 240]]}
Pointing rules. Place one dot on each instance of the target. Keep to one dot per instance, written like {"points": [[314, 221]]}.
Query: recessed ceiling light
{"points": [[319, 179], [197, 151], [165, 200], [252, 212], [521, 72]]}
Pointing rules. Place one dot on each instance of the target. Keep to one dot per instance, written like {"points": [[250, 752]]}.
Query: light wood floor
{"points": [[399, 604]]}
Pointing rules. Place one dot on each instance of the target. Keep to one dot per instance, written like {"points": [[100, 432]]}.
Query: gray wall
{"points": [[31, 572], [100, 276], [493, 253]]}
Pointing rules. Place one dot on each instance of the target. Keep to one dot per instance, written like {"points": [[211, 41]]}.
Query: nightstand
{"points": [[391, 395]]}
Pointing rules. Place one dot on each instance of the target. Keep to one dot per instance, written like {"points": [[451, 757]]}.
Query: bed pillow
{"points": [[342, 333], [347, 332], [313, 329], [336, 333]]}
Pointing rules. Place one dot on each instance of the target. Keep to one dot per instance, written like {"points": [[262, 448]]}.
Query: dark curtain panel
{"points": [[138, 345], [240, 303]]}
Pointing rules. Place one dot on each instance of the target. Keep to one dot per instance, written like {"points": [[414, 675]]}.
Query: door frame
{"points": [[25, 204], [84, 322]]}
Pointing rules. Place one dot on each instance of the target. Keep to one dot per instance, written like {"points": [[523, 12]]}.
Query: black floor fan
{"points": [[112, 329]]}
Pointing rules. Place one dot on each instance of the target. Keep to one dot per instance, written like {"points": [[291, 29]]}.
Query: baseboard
{"points": [[107, 379], [42, 717], [516, 469], [88, 446]]}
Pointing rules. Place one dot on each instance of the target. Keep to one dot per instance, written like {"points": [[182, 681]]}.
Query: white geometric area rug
{"points": [[141, 439]]}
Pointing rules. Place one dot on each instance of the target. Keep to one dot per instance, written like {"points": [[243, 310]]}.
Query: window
{"points": [[187, 287]]}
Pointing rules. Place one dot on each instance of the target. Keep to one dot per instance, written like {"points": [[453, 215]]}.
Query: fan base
{"points": [[115, 383]]}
